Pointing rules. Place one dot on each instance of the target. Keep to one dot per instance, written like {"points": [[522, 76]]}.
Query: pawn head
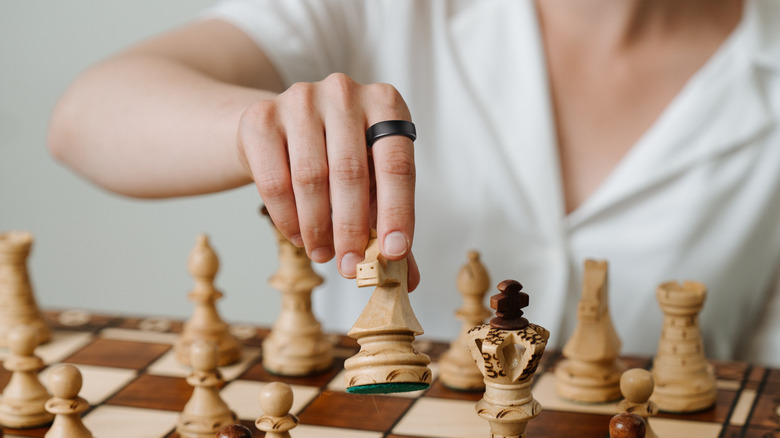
{"points": [[637, 385], [276, 399], [65, 381]]}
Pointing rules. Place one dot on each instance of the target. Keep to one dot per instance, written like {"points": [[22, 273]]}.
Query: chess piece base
{"points": [[685, 395], [25, 414], [286, 357], [588, 383], [387, 359], [228, 347], [461, 375]]}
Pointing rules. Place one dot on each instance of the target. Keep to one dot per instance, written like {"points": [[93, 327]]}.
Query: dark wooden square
{"points": [[556, 424], [154, 392], [355, 411], [439, 390], [118, 353]]}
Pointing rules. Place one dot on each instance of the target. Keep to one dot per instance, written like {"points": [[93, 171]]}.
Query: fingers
{"points": [[413, 276], [306, 150], [349, 173], [259, 138], [309, 171], [394, 172]]}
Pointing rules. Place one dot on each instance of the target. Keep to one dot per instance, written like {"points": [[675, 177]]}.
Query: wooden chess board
{"points": [[136, 388]]}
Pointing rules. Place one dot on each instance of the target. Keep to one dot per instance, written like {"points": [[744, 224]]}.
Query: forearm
{"points": [[148, 126]]}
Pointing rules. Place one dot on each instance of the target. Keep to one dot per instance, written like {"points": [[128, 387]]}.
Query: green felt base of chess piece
{"points": [[387, 388]]}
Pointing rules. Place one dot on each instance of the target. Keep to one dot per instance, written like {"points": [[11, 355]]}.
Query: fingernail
{"points": [[395, 244], [349, 264], [297, 241], [322, 254]]}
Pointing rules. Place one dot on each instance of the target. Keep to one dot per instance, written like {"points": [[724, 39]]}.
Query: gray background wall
{"points": [[94, 250]]}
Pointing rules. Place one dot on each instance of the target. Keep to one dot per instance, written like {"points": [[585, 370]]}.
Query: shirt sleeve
{"points": [[306, 40]]}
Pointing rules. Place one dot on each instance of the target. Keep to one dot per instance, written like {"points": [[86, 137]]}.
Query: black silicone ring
{"points": [[388, 128]]}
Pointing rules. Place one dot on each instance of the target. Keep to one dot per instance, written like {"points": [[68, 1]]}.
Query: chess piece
{"points": [[637, 386], [626, 425], [234, 431], [296, 345], [276, 399], [457, 368], [23, 399], [16, 292], [387, 361], [205, 412], [591, 370], [684, 380], [507, 352], [66, 405], [205, 323]]}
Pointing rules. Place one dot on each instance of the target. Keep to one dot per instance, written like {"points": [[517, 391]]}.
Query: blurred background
{"points": [[94, 250]]}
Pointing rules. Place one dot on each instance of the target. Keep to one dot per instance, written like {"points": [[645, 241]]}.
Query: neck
{"points": [[622, 23]]}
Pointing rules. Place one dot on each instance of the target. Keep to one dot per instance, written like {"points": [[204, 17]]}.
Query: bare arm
{"points": [[202, 109], [160, 119]]}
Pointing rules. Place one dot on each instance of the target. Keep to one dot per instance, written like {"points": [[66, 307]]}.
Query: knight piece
{"points": [[387, 361], [684, 380], [296, 345], [457, 367], [16, 292], [205, 323], [507, 352], [591, 371]]}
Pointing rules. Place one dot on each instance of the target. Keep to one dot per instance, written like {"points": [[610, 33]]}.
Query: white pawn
{"points": [[66, 405], [23, 400], [205, 412], [276, 399], [637, 386]]}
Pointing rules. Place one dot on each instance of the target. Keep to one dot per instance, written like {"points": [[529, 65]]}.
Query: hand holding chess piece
{"points": [[508, 351], [276, 399], [626, 425], [24, 397], [66, 405], [387, 361]]}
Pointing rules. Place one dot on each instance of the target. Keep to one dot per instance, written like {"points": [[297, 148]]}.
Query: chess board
{"points": [[136, 388]]}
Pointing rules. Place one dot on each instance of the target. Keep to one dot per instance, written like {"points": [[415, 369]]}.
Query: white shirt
{"points": [[697, 197]]}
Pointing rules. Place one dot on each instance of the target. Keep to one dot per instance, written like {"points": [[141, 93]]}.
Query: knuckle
{"points": [[273, 184], [397, 162], [300, 95], [260, 114], [349, 171], [389, 97], [340, 89], [310, 177], [349, 230]]}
